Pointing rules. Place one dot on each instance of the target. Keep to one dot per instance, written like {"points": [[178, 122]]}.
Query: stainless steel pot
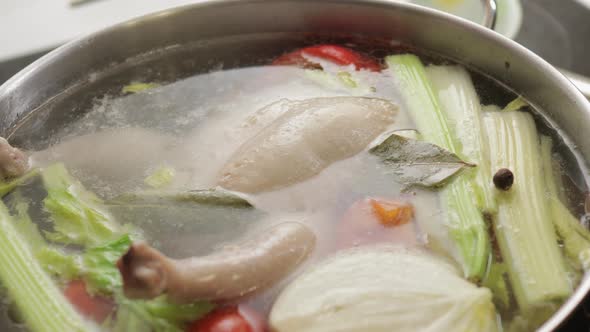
{"points": [[79, 64]]}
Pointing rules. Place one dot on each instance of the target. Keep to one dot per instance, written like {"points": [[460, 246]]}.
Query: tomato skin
{"points": [[336, 54], [229, 319], [97, 308]]}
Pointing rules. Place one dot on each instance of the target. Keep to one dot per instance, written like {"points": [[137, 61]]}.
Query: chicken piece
{"points": [[229, 274], [309, 136], [13, 162]]}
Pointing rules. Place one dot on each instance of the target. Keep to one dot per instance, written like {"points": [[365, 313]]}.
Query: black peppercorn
{"points": [[503, 179]]}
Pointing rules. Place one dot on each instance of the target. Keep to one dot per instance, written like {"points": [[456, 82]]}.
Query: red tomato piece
{"points": [[230, 319], [97, 308], [333, 53]]}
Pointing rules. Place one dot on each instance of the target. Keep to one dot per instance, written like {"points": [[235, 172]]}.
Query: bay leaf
{"points": [[213, 197], [416, 162], [186, 223]]}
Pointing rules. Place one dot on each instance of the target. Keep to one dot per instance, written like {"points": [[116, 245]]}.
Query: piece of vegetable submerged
{"points": [[78, 215], [332, 53], [460, 103], [576, 239], [135, 87], [161, 177], [96, 307], [40, 302], [229, 319], [69, 201], [155, 315], [6, 187], [465, 221], [382, 289], [377, 220], [523, 227]]}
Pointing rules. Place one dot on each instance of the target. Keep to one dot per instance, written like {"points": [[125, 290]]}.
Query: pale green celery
{"points": [[347, 79], [460, 103], [6, 187], [136, 87], [39, 301], [53, 260], [515, 105], [23, 223], [128, 321], [99, 265], [157, 314], [496, 282], [528, 244], [58, 263], [79, 216], [96, 265], [162, 177], [465, 221], [341, 81], [576, 239]]}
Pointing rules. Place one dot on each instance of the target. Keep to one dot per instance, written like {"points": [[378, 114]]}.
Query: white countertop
{"points": [[28, 26]]}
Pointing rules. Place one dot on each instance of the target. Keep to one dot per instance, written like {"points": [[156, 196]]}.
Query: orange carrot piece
{"points": [[392, 213]]}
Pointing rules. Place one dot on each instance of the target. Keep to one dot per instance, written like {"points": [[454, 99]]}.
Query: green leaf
{"points": [[136, 87], [162, 177], [496, 282], [340, 81], [6, 187], [78, 215], [99, 265], [212, 197], [59, 263], [515, 105], [157, 314], [23, 223], [177, 313], [347, 79], [416, 162]]}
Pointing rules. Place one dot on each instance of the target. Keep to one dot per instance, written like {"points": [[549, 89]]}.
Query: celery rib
{"points": [[79, 216], [460, 103], [466, 224], [575, 237], [524, 230], [41, 303]]}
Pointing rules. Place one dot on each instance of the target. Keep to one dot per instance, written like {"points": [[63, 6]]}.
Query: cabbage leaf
{"points": [[375, 289]]}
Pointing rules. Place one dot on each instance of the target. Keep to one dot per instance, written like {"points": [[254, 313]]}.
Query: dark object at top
{"points": [[503, 179]]}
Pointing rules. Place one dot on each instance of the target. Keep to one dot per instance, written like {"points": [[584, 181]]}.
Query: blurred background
{"points": [[557, 30]]}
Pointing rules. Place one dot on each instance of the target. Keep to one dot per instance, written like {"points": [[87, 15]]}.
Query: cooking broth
{"points": [[206, 103]]}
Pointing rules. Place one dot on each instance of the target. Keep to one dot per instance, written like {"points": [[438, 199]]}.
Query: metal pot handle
{"points": [[490, 13], [489, 21]]}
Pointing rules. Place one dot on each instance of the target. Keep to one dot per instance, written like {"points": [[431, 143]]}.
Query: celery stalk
{"points": [[40, 302], [6, 187], [576, 239], [79, 216], [460, 103], [536, 268], [466, 224]]}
